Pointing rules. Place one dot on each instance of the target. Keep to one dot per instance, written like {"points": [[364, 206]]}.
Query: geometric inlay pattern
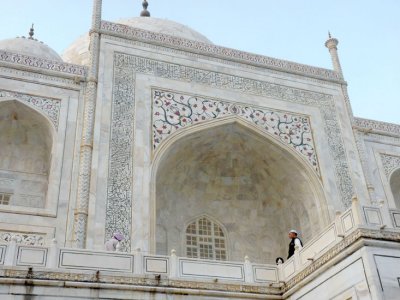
{"points": [[172, 111], [50, 107]]}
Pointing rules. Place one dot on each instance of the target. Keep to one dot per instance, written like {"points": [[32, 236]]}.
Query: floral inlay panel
{"points": [[50, 107], [172, 111]]}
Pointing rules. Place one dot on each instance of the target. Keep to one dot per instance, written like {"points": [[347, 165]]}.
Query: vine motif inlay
{"points": [[50, 107], [390, 163], [172, 111]]}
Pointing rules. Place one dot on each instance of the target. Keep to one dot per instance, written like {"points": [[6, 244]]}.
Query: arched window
{"points": [[205, 240]]}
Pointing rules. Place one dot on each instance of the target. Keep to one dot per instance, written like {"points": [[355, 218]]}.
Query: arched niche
{"points": [[255, 186], [26, 139], [395, 187]]}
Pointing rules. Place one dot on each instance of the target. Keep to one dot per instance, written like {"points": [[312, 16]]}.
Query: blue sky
{"points": [[295, 30]]}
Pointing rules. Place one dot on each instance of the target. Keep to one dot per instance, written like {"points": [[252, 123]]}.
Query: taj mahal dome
{"points": [[201, 158]]}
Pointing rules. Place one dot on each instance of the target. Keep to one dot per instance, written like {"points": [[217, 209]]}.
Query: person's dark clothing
{"points": [[291, 246]]}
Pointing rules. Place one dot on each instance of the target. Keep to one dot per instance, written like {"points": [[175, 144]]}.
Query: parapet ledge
{"points": [[378, 127], [165, 40], [48, 67]]}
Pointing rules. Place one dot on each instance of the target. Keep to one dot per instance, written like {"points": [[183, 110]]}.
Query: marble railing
{"points": [[137, 263], [330, 239], [338, 235]]}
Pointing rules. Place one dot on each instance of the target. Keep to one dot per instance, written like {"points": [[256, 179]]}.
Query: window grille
{"points": [[5, 198], [205, 240]]}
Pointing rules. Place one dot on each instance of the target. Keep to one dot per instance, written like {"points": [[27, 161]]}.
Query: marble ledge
{"points": [[143, 283]]}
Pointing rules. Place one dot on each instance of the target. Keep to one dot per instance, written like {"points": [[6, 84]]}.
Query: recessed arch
{"points": [[27, 141], [250, 146], [46, 120], [394, 181]]}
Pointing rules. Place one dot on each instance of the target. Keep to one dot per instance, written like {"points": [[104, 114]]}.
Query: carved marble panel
{"points": [[119, 189], [32, 239], [49, 106], [172, 111], [390, 163]]}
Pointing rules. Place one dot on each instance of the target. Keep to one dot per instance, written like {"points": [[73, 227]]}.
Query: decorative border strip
{"points": [[54, 80], [50, 107], [29, 239], [217, 51], [120, 171], [36, 62], [378, 125], [94, 277], [172, 111]]}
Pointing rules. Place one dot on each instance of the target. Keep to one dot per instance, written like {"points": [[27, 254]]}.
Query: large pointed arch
{"points": [[302, 171], [27, 136]]}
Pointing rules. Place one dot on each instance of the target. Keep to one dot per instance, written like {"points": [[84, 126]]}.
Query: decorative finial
{"points": [[331, 42], [145, 12], [31, 33]]}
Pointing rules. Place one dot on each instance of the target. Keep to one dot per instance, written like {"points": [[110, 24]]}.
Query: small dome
{"points": [[30, 47], [77, 52]]}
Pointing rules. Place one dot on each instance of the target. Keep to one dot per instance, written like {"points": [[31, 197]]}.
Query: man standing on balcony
{"points": [[295, 242]]}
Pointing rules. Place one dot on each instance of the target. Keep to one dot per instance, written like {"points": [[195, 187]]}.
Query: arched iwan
{"points": [[27, 142], [255, 185]]}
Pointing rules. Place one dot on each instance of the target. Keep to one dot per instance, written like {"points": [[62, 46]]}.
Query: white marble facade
{"points": [[176, 129]]}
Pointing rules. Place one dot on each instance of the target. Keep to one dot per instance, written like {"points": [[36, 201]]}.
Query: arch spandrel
{"points": [[173, 111], [49, 108]]}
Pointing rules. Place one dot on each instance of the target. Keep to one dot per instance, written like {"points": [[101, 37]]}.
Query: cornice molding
{"points": [[132, 282], [55, 68], [372, 126], [225, 53]]}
